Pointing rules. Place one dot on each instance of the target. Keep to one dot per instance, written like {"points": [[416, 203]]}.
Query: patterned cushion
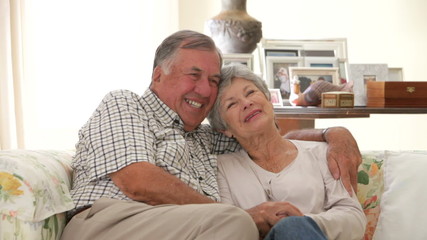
{"points": [[12, 228], [370, 187], [34, 194], [34, 185]]}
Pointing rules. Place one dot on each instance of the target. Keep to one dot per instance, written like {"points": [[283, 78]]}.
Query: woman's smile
{"points": [[253, 114]]}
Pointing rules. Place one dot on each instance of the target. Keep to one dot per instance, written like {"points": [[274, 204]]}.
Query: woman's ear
{"points": [[227, 133]]}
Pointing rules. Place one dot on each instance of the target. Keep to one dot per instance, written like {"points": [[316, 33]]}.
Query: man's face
{"points": [[191, 87]]}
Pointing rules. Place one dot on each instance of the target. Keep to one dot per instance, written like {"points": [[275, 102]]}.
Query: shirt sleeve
{"points": [[223, 144], [116, 135], [344, 218]]}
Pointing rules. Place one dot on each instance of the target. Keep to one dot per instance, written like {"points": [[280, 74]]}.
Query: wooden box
{"points": [[397, 94], [337, 99]]}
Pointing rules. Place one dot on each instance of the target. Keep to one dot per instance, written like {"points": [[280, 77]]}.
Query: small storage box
{"points": [[397, 94], [337, 100]]}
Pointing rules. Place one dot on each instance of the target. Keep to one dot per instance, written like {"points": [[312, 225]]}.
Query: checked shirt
{"points": [[126, 129]]}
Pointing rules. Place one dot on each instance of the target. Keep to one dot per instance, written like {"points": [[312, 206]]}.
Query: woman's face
{"points": [[245, 109]]}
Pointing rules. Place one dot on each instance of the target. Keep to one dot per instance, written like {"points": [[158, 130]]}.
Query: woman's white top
{"points": [[306, 183]]}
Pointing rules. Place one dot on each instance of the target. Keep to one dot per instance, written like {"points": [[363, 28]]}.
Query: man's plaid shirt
{"points": [[127, 128]]}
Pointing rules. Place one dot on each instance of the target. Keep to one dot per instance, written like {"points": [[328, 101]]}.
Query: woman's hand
{"points": [[266, 214]]}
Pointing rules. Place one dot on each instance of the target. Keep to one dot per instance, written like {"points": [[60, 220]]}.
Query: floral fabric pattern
{"points": [[34, 193], [370, 188]]}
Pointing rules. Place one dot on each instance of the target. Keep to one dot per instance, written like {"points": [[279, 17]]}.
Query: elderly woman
{"points": [[271, 168]]}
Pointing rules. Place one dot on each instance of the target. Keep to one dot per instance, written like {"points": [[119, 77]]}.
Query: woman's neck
{"points": [[270, 151]]}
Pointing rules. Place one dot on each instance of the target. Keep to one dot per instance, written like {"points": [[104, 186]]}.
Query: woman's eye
{"points": [[230, 105], [250, 92]]}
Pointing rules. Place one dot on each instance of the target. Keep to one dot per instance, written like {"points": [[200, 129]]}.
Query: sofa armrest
{"points": [[34, 185]]}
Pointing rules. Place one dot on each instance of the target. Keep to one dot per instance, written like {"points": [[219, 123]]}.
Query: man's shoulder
{"points": [[120, 93]]}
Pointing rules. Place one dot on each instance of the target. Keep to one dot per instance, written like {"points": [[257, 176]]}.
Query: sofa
{"points": [[34, 194]]}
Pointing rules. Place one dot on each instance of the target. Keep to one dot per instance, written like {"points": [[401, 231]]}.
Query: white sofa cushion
{"points": [[403, 212]]}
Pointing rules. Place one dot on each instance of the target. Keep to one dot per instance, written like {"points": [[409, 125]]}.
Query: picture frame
{"points": [[395, 74], [243, 58], [307, 75], [324, 51], [360, 74], [323, 62], [281, 53], [278, 73], [276, 97]]}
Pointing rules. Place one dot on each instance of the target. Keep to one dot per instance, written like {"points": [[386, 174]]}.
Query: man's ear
{"points": [[157, 73]]}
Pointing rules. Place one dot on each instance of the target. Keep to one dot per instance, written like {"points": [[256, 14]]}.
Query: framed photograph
{"points": [[276, 97], [323, 62], [278, 73], [360, 74], [281, 53], [243, 58], [319, 53], [308, 75], [395, 74]]}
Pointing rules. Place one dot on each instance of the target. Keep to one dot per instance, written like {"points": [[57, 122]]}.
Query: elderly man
{"points": [[145, 167]]}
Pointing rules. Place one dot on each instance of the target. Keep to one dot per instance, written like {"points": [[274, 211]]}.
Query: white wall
{"points": [[379, 31], [75, 55], [77, 51]]}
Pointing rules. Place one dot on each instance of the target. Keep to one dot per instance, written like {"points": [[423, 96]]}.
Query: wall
{"points": [[381, 31], [77, 51]]}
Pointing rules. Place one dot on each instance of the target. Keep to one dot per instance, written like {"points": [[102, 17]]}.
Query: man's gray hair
{"points": [[228, 73], [187, 39]]}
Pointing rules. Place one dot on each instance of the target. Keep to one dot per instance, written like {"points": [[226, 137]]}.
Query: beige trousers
{"points": [[115, 219]]}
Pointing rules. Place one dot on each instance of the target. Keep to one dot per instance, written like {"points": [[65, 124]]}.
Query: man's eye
{"points": [[215, 81]]}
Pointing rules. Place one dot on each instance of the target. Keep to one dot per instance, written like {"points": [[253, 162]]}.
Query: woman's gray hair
{"points": [[187, 39], [228, 73]]}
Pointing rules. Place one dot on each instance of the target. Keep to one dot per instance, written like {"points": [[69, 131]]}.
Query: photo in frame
{"points": [[308, 75], [360, 74], [323, 62], [278, 73], [314, 52], [243, 58], [276, 97]]}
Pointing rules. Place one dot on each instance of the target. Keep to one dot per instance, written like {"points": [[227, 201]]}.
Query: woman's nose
{"points": [[246, 104]]}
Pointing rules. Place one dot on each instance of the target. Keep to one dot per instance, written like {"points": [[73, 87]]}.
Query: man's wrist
{"points": [[324, 131]]}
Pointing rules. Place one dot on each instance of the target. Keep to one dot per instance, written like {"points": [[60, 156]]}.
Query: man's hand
{"points": [[343, 156], [267, 214]]}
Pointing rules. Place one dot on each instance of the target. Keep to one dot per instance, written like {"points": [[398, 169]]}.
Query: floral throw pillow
{"points": [[370, 188]]}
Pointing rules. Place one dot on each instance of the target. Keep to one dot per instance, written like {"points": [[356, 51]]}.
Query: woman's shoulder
{"points": [[231, 157], [311, 146], [231, 161]]}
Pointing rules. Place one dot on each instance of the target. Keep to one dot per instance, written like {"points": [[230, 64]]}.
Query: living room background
{"points": [[77, 51]]}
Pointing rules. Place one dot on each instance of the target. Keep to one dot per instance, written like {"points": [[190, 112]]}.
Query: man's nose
{"points": [[203, 88]]}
